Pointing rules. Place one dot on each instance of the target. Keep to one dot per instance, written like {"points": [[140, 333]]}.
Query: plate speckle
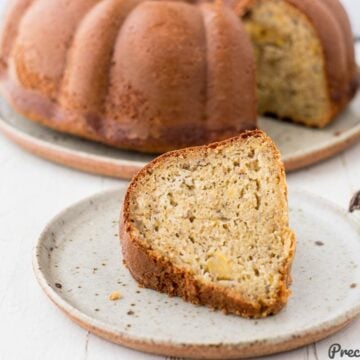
{"points": [[78, 263]]}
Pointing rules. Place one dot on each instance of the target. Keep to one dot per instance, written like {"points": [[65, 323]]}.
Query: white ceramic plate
{"points": [[300, 146], [78, 263]]}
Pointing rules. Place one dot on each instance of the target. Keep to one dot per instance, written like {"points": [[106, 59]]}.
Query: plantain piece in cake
{"points": [[210, 224]]}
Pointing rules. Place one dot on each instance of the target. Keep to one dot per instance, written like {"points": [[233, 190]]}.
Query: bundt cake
{"points": [[306, 69], [145, 75], [210, 224], [160, 75]]}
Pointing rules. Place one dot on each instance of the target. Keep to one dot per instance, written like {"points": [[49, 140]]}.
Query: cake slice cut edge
{"points": [[210, 224]]}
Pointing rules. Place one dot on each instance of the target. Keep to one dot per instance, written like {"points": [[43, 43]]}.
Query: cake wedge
{"points": [[210, 224]]}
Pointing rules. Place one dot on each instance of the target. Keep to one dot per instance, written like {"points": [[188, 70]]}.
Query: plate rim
{"points": [[126, 169], [227, 350]]}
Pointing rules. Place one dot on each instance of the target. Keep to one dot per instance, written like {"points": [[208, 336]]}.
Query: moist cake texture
{"points": [[305, 62], [210, 224]]}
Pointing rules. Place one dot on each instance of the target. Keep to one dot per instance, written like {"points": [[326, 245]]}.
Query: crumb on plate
{"points": [[115, 295]]}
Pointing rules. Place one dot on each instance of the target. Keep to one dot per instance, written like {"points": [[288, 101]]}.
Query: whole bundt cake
{"points": [[160, 75], [305, 59], [144, 75]]}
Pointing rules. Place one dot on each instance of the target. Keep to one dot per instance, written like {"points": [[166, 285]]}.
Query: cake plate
{"points": [[78, 264], [300, 146]]}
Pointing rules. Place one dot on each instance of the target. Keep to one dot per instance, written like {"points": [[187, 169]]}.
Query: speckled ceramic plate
{"points": [[78, 263], [300, 146]]}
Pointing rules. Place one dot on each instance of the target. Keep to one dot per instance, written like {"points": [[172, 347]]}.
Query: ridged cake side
{"points": [[144, 75], [333, 27]]}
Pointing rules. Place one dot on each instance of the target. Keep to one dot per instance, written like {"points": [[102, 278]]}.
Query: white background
{"points": [[32, 191]]}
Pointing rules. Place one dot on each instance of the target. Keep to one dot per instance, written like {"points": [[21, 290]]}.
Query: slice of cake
{"points": [[210, 224]]}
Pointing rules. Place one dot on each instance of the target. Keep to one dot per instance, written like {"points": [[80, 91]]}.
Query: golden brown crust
{"points": [[139, 110], [10, 28], [138, 90], [40, 110], [158, 273], [333, 28]]}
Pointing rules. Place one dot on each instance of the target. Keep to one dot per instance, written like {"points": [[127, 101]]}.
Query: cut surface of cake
{"points": [[305, 60], [210, 224]]}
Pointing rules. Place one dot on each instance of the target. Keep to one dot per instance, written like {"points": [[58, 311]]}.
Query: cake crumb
{"points": [[115, 295], [353, 285]]}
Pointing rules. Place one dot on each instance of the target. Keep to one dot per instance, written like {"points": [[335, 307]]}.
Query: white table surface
{"points": [[32, 191]]}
